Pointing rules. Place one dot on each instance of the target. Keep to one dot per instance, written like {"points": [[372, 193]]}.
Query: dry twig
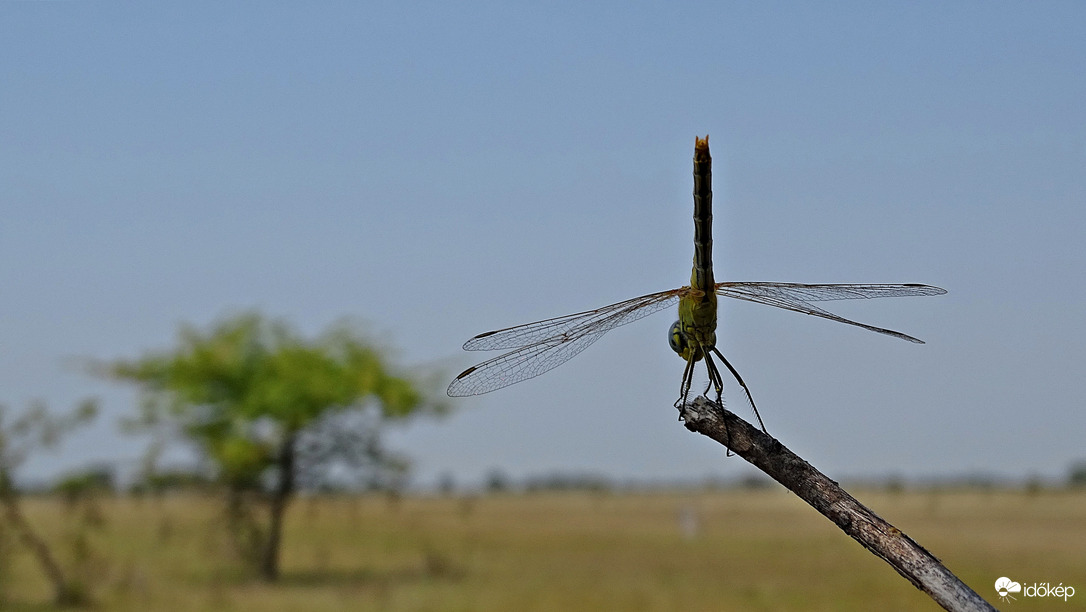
{"points": [[763, 451]]}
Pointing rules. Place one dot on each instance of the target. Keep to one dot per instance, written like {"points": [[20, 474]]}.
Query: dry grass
{"points": [[739, 550]]}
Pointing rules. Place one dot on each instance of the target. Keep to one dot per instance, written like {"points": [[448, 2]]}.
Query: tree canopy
{"points": [[266, 407]]}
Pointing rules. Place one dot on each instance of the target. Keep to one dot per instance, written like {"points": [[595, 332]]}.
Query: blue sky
{"points": [[439, 171]]}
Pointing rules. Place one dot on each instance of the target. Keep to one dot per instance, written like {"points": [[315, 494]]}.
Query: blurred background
{"points": [[439, 171]]}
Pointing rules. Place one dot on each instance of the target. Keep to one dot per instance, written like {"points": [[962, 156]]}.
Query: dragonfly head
{"points": [[681, 343]]}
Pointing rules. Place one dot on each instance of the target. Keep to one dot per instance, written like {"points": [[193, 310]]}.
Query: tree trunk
{"points": [[280, 497], [64, 592]]}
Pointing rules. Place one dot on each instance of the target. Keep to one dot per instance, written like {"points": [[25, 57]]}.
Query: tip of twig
{"points": [[696, 411]]}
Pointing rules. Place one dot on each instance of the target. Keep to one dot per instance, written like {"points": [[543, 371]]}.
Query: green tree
{"points": [[271, 412]]}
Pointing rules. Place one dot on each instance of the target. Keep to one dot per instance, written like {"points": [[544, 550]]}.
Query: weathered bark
{"points": [[280, 498], [763, 451]]}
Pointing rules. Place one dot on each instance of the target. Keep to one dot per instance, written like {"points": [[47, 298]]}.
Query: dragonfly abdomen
{"points": [[702, 276]]}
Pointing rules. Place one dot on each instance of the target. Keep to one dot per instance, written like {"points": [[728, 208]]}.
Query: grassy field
{"points": [[719, 550]]}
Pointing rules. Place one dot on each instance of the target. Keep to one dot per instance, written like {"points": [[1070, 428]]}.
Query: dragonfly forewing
{"points": [[608, 317], [544, 345], [796, 297]]}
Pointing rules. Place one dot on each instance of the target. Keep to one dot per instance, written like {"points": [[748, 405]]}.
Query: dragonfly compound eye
{"points": [[676, 338]]}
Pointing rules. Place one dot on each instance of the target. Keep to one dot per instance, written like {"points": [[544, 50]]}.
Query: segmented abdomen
{"points": [[702, 276]]}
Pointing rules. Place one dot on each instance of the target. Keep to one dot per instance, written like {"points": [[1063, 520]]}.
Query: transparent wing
{"points": [[544, 345], [797, 297]]}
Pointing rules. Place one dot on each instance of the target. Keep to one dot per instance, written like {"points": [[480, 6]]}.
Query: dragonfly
{"points": [[541, 346]]}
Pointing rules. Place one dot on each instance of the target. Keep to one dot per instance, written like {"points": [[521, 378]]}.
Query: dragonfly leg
{"points": [[688, 381], [739, 379], [717, 382]]}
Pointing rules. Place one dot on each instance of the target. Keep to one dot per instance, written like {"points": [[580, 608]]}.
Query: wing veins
{"points": [[796, 297], [541, 331], [541, 348]]}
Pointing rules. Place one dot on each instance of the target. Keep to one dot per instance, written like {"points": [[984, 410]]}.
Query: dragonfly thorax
{"points": [[682, 343]]}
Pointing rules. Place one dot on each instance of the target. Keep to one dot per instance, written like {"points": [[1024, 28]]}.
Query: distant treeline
{"points": [[103, 478]]}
